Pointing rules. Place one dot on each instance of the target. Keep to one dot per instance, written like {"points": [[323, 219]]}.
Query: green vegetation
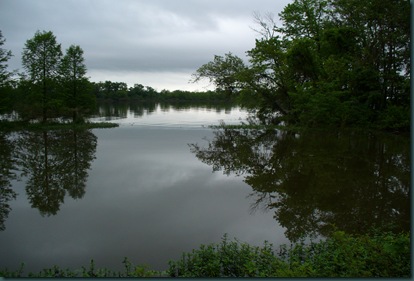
{"points": [[7, 126], [55, 85], [332, 63], [342, 255], [383, 255], [86, 272], [119, 91]]}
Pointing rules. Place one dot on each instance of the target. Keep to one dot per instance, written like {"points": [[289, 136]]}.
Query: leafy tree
{"points": [[5, 55], [268, 80], [111, 90], [382, 60], [41, 59], [74, 82], [332, 62], [222, 72], [304, 19], [5, 77]]}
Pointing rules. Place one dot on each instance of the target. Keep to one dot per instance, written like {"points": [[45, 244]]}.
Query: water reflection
{"points": [[54, 163], [319, 181], [7, 168]]}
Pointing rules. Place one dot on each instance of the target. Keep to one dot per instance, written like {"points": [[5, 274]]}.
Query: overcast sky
{"points": [[157, 43]]}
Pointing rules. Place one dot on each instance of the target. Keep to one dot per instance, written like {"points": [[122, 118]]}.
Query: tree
{"points": [[331, 63], [41, 59], [304, 19], [5, 77], [74, 82], [5, 55], [383, 37], [222, 72]]}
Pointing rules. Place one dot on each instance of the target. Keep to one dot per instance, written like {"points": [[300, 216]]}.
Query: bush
{"points": [[227, 259], [342, 255]]}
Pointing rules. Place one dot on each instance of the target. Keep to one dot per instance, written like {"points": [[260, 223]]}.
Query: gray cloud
{"points": [[137, 35]]}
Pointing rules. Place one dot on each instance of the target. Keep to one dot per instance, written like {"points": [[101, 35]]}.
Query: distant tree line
{"points": [[331, 63], [119, 91]]}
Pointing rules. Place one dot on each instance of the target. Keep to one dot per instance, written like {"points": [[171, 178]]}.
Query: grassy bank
{"points": [[342, 255], [9, 126]]}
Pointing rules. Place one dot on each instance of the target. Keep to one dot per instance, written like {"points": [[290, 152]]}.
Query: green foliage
{"points": [[222, 72], [41, 58], [119, 91], [78, 98], [5, 75], [86, 272], [226, 259], [381, 255], [342, 255], [111, 90], [395, 118], [331, 63], [53, 86]]}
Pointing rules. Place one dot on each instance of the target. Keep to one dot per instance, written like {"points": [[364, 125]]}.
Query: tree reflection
{"points": [[7, 167], [55, 162], [319, 181]]}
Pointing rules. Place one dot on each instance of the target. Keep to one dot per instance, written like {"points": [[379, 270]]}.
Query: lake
{"points": [[164, 182]]}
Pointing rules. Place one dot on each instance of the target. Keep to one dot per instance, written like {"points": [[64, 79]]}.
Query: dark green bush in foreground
{"points": [[342, 255], [385, 255]]}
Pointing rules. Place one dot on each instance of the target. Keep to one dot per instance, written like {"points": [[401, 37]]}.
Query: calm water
{"points": [[164, 183]]}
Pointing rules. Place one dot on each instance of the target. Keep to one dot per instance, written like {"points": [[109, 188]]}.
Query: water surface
{"points": [[164, 182]]}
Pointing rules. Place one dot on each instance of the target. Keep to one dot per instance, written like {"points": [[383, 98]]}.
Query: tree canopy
{"points": [[55, 84], [5, 76], [331, 63]]}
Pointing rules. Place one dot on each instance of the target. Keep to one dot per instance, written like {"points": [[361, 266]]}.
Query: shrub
{"points": [[226, 259], [342, 255]]}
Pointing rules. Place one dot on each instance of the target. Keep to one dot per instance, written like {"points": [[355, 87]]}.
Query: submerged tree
{"points": [[41, 59]]}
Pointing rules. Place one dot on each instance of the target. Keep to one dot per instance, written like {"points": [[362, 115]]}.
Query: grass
{"points": [[342, 255]]}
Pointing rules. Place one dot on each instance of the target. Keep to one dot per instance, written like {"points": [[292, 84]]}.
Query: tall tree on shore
{"points": [[5, 76], [74, 82], [330, 63], [41, 59], [5, 55]]}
